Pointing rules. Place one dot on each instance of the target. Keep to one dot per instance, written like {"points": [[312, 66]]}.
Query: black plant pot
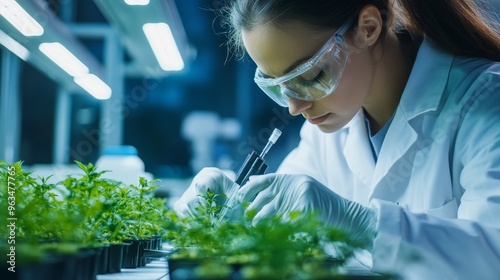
{"points": [[87, 263], [69, 266], [125, 254], [46, 269], [115, 258], [153, 247], [157, 243], [131, 254], [103, 260], [80, 265], [94, 262], [145, 244]]}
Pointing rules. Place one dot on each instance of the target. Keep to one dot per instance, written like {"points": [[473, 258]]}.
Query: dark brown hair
{"points": [[456, 26]]}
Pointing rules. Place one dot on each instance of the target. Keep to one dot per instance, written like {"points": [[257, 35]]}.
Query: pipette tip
{"points": [[275, 135], [272, 140]]}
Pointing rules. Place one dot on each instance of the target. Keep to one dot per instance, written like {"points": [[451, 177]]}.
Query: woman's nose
{"points": [[297, 106]]}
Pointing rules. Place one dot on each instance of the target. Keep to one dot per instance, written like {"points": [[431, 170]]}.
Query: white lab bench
{"points": [[155, 270]]}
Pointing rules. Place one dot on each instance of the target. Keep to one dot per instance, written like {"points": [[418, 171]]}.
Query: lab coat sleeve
{"points": [[478, 144], [421, 246], [467, 247], [304, 159]]}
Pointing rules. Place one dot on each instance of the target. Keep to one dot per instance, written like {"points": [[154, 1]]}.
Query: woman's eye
{"points": [[311, 79]]}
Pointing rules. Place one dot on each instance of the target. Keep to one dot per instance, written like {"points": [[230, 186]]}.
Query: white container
{"points": [[123, 163]]}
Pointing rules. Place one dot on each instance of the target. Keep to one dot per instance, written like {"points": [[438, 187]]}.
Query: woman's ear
{"points": [[369, 27]]}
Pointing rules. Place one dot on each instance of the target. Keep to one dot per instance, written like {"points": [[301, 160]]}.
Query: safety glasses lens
{"points": [[316, 82]]}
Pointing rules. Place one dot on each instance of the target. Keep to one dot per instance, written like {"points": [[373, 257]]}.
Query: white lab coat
{"points": [[436, 183]]}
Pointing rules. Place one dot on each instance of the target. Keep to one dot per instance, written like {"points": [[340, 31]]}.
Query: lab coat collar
{"points": [[422, 93], [427, 80]]}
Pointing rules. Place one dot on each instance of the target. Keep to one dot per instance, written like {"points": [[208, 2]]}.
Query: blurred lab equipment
{"points": [[123, 164], [202, 129]]}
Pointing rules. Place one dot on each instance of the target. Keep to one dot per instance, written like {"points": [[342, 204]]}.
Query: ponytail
{"points": [[457, 26]]}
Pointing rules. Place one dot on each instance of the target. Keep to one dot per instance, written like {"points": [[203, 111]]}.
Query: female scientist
{"points": [[402, 140]]}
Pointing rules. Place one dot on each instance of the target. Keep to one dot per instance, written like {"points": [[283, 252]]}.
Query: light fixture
{"points": [[64, 58], [95, 86], [52, 48], [20, 19], [137, 2], [143, 48], [13, 46], [165, 49]]}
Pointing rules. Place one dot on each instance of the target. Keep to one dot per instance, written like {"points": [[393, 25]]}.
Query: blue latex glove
{"points": [[278, 194], [211, 178]]}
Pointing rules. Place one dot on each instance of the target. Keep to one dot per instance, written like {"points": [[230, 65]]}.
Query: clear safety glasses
{"points": [[313, 80]]}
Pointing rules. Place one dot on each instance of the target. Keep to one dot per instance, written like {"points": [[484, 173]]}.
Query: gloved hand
{"points": [[208, 178], [278, 194]]}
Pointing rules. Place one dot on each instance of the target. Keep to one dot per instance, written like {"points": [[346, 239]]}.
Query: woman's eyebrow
{"points": [[289, 69], [296, 64]]}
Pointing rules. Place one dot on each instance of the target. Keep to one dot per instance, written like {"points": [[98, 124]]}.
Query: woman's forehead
{"points": [[276, 49]]}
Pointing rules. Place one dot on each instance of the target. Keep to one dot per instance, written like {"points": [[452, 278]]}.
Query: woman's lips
{"points": [[318, 120]]}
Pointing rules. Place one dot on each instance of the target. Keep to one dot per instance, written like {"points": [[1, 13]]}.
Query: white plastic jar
{"points": [[123, 163]]}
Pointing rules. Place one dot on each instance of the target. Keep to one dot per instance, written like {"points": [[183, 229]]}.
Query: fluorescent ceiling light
{"points": [[64, 58], [95, 86], [20, 19], [165, 49], [137, 2], [13, 46]]}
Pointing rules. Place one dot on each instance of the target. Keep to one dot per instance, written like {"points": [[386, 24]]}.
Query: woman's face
{"points": [[278, 50]]}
